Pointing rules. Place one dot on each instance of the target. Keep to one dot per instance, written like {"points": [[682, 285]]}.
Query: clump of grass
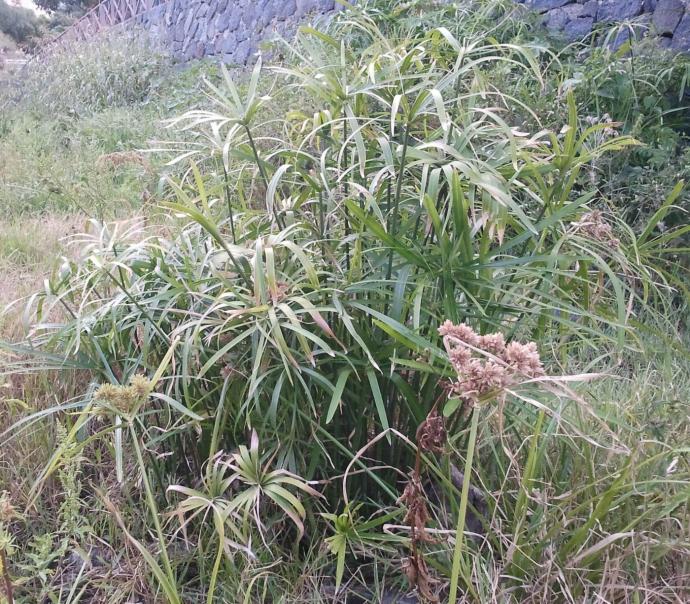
{"points": [[85, 77], [294, 300]]}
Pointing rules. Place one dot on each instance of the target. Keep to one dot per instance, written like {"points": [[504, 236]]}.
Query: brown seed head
{"points": [[431, 434], [594, 226], [486, 365], [7, 510]]}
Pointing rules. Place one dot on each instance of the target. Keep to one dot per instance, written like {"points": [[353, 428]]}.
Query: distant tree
{"points": [[21, 24], [66, 6]]}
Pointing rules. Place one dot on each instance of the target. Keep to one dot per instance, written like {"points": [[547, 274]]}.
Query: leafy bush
{"points": [[17, 22], [646, 94], [63, 164], [85, 77], [269, 364], [78, 111]]}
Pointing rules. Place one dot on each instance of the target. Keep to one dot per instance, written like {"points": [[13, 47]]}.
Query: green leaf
{"points": [[451, 406], [337, 394], [378, 400]]}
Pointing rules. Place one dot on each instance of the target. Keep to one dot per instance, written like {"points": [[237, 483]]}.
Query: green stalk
{"points": [[227, 201], [264, 176], [460, 531], [152, 505], [398, 193], [141, 309], [348, 453], [322, 224], [6, 577], [346, 189], [214, 572]]}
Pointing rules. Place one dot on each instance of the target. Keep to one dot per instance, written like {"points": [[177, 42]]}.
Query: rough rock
{"points": [[579, 28], [667, 15], [557, 19], [681, 35], [546, 5], [589, 9], [234, 30], [619, 10]]}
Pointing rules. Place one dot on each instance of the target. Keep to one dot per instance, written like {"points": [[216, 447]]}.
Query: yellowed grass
{"points": [[30, 248]]}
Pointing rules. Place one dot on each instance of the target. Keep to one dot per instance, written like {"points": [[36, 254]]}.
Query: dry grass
{"points": [[29, 250]]}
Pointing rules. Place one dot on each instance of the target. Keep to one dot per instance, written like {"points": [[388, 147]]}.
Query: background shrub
{"points": [[112, 71], [19, 23]]}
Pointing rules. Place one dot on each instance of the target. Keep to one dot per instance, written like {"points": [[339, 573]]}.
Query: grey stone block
{"points": [[619, 10], [557, 19], [546, 5], [229, 43], [574, 10], [287, 9], [188, 20], [192, 31], [681, 35], [178, 34], [229, 19], [589, 9], [302, 7], [242, 52], [579, 28], [667, 15], [202, 32]]}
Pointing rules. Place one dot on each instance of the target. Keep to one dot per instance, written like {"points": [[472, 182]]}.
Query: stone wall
{"points": [[667, 19], [234, 29], [229, 29]]}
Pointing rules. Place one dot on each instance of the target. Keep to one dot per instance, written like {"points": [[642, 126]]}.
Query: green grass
{"points": [[224, 398], [53, 165]]}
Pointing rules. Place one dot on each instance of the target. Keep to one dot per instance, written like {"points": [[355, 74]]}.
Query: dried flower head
{"points": [[524, 359], [431, 434], [485, 365], [107, 393], [415, 569], [7, 510], [594, 226], [463, 333], [494, 343], [414, 499]]}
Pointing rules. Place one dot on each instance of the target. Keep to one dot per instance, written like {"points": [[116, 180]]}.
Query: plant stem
{"points": [[264, 176], [346, 189], [227, 201], [6, 577], [398, 193], [141, 309], [214, 572], [460, 531], [152, 505], [322, 224]]}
